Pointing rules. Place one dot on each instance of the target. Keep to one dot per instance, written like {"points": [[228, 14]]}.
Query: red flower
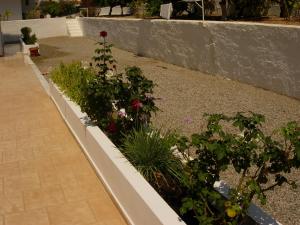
{"points": [[111, 128], [136, 104], [103, 34]]}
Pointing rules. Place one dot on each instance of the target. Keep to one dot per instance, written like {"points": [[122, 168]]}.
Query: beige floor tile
{"points": [[68, 158], [8, 145], [1, 220], [43, 197], [1, 185], [9, 169], [11, 202], [37, 165], [77, 213], [21, 183], [34, 217], [56, 177], [17, 155], [106, 211], [76, 191]]}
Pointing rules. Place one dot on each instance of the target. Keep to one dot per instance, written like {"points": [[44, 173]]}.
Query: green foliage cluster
{"points": [[117, 102], [5, 15], [247, 8], [260, 161], [32, 14], [27, 37], [151, 152], [61, 8], [71, 78]]}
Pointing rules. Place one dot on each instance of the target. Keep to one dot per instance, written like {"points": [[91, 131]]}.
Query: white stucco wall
{"points": [[43, 28], [15, 6], [267, 56]]}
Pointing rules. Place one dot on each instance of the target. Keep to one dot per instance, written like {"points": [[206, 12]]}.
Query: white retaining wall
{"points": [[266, 56], [43, 28]]}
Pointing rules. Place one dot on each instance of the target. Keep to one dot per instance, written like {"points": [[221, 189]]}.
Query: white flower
{"points": [[109, 74], [122, 113]]}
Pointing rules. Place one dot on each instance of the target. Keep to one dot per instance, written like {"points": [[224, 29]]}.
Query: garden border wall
{"points": [[138, 201], [43, 28], [263, 55]]}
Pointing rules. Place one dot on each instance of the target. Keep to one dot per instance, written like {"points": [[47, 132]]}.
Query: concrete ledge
{"points": [[38, 74], [138, 201], [57, 97], [76, 119]]}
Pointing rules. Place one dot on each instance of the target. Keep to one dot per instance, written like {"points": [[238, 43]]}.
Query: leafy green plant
{"points": [[247, 8], [32, 14], [50, 7], [117, 102], [27, 37], [61, 8], [152, 153], [6, 14], [72, 78], [260, 160]]}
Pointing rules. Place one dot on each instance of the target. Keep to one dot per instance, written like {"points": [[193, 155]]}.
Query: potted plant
{"points": [[29, 42]]}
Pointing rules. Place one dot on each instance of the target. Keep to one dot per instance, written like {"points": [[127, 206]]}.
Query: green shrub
{"points": [[68, 8], [62, 8], [32, 14], [71, 79], [117, 102], [27, 38], [248, 8], [152, 154], [50, 7], [260, 161]]}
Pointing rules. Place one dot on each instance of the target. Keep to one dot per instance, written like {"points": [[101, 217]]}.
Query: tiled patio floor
{"points": [[45, 178]]}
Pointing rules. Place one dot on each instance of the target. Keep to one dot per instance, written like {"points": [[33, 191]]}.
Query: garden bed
{"points": [[139, 202], [163, 70]]}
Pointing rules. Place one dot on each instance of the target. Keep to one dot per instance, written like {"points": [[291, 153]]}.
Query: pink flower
{"points": [[136, 104], [103, 34], [112, 128]]}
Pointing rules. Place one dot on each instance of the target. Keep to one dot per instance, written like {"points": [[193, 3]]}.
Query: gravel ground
{"points": [[185, 95]]}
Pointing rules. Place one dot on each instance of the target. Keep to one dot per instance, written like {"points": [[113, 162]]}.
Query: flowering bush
{"points": [[261, 161], [117, 102]]}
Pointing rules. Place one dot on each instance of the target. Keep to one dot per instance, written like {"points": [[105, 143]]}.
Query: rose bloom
{"points": [[136, 104], [103, 34], [111, 128]]}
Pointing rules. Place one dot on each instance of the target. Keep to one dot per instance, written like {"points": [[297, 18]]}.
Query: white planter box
{"points": [[25, 48], [139, 202]]}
